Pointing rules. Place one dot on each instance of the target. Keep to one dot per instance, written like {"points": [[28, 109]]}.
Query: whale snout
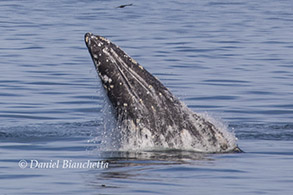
{"points": [[96, 46], [87, 37], [94, 42]]}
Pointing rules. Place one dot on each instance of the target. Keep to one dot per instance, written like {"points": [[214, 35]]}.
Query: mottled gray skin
{"points": [[145, 107]]}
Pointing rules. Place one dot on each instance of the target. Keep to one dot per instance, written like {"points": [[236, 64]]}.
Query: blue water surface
{"points": [[232, 59]]}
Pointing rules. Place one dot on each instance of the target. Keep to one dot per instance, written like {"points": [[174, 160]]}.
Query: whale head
{"points": [[131, 89], [146, 110]]}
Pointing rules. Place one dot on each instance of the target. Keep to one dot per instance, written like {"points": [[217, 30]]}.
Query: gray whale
{"points": [[148, 114]]}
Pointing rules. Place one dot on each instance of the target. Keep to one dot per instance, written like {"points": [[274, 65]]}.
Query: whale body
{"points": [[148, 114]]}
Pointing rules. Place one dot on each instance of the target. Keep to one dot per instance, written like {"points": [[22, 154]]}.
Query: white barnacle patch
{"points": [[100, 54], [153, 108], [87, 39], [104, 39], [150, 86], [105, 50], [95, 56], [133, 61], [120, 83], [111, 86], [107, 60], [140, 66], [105, 78], [125, 104], [160, 94], [100, 44], [140, 100]]}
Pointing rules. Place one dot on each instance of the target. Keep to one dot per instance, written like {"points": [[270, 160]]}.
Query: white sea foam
{"points": [[223, 128], [139, 140]]}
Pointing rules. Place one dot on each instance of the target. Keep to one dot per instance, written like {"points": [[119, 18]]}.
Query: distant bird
{"points": [[122, 6]]}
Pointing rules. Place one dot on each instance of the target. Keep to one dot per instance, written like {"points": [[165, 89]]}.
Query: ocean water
{"points": [[230, 59]]}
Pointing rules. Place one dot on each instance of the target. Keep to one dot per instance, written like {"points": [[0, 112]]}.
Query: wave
{"points": [[280, 131], [76, 129]]}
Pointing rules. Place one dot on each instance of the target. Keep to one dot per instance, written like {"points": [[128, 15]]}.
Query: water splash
{"points": [[134, 138]]}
